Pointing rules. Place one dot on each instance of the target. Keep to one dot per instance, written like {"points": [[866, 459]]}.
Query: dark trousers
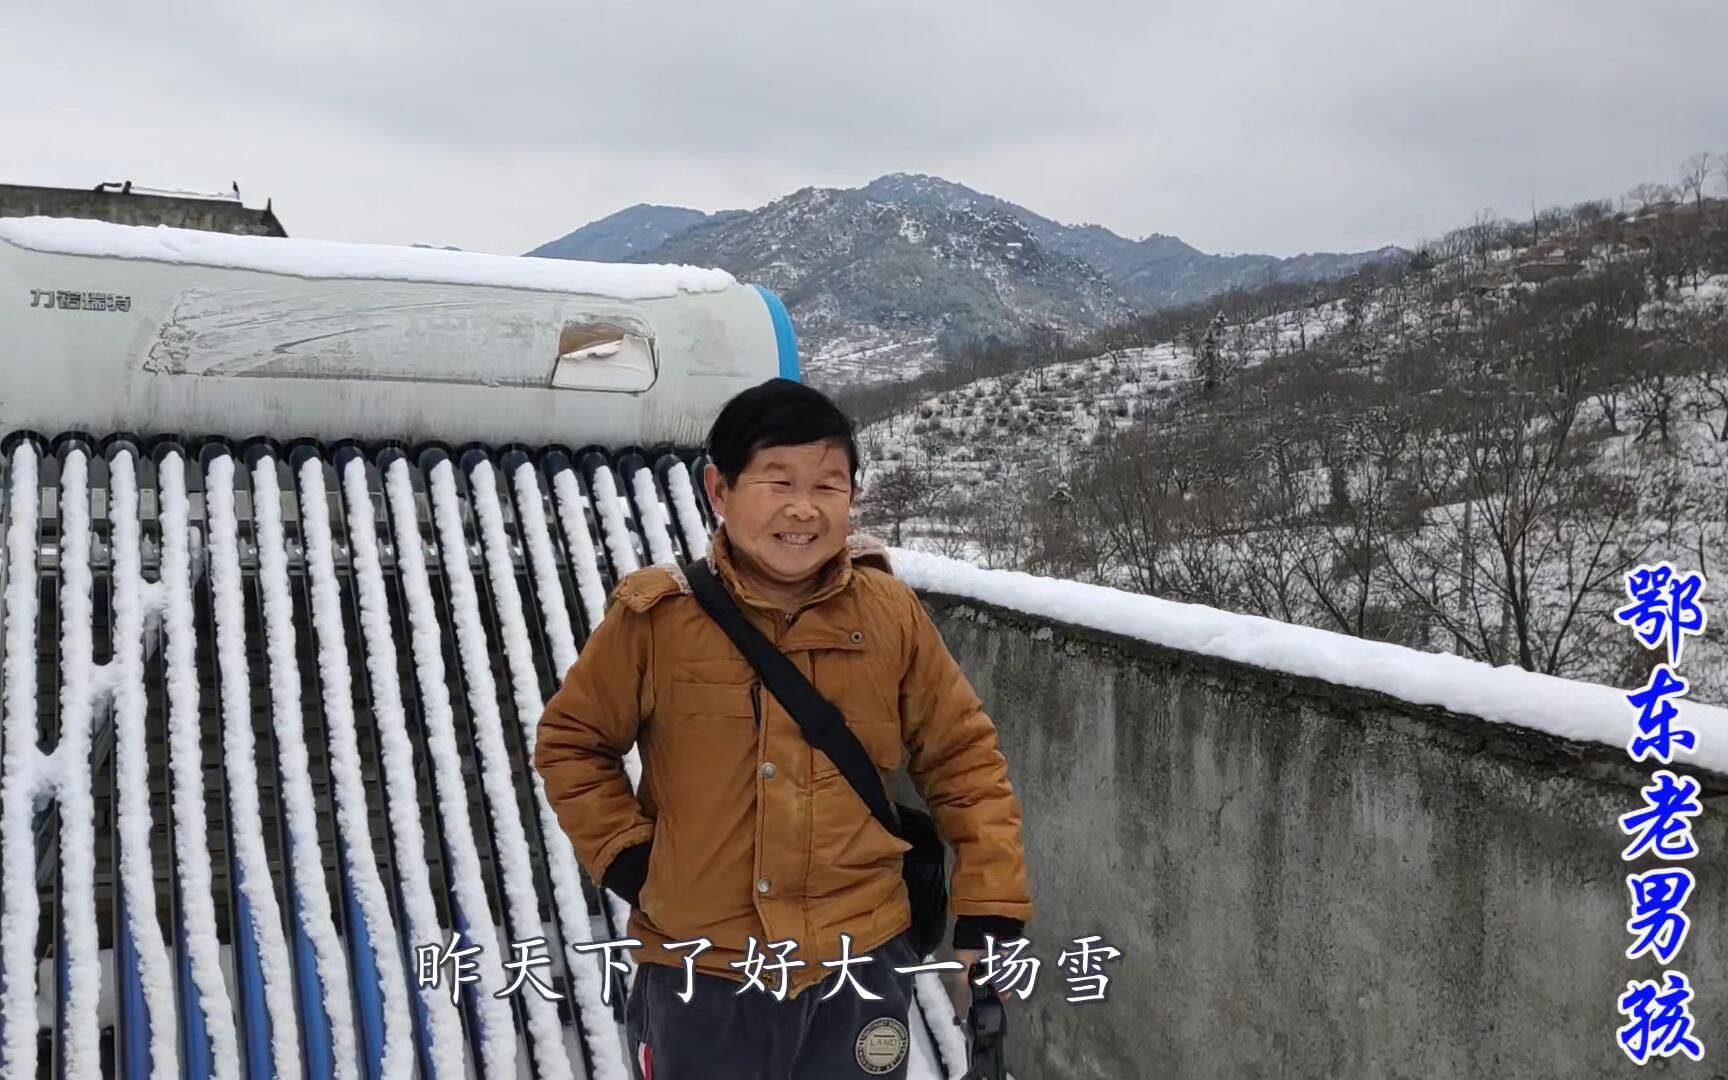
{"points": [[721, 1034]]}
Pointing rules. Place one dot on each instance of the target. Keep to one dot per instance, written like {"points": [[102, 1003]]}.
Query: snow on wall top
{"points": [[336, 259], [1579, 711]]}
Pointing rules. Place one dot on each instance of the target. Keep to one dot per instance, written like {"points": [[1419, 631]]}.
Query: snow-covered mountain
{"points": [[1154, 271], [878, 288], [883, 280]]}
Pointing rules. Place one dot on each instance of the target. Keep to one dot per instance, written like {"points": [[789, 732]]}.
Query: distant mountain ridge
{"points": [[628, 233], [881, 279], [1158, 270]]}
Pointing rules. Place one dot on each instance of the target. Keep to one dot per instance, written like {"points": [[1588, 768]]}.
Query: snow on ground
{"points": [[1508, 695], [970, 434], [868, 355], [329, 259], [977, 452], [1709, 293]]}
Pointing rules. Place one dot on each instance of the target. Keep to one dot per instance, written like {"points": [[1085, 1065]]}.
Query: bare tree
{"points": [[953, 525], [1271, 585], [1046, 346], [1340, 556], [1212, 511], [1539, 532], [1134, 496], [1644, 195], [1064, 542], [1694, 174], [1659, 376], [898, 495], [1002, 532], [1481, 236]]}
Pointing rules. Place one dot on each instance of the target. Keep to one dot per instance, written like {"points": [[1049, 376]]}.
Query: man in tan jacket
{"points": [[767, 899]]}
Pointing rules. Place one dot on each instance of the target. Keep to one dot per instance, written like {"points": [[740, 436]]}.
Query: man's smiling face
{"points": [[787, 515]]}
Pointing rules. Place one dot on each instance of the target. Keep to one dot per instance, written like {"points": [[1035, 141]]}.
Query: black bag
{"points": [[925, 866]]}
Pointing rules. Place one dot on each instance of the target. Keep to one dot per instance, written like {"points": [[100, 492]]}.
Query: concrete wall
{"points": [[1312, 881], [210, 215]]}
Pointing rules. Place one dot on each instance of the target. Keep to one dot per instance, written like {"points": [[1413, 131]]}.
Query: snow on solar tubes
{"points": [[24, 774], [240, 766], [347, 771], [497, 1036], [311, 897], [514, 855], [444, 1025]]}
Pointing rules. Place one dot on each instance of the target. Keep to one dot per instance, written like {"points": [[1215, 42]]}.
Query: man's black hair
{"points": [[779, 412]]}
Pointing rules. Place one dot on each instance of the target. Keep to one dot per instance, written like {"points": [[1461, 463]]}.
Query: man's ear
{"points": [[715, 485]]}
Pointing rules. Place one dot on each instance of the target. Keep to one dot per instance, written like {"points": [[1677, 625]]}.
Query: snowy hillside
{"points": [[1047, 419], [1462, 456]]}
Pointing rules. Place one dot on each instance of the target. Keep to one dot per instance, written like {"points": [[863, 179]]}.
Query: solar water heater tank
{"points": [[109, 327]]}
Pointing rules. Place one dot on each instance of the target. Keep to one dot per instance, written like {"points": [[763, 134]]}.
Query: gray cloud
{"points": [[1238, 126]]}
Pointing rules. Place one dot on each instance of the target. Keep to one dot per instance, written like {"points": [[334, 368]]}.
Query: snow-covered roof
{"points": [[1570, 709], [333, 259]]}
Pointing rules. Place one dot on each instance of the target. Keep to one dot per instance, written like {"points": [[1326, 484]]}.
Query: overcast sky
{"points": [[1238, 126]]}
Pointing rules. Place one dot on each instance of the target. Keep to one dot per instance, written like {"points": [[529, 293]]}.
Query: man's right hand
{"points": [[628, 872]]}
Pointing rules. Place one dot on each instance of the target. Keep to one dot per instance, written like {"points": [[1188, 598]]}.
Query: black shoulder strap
{"points": [[823, 724]]}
